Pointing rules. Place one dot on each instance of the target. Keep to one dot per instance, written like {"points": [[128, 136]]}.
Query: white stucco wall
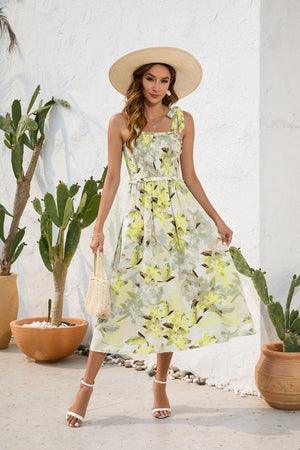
{"points": [[68, 48], [279, 155]]}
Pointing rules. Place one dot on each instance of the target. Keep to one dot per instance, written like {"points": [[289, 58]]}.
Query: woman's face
{"points": [[155, 83]]}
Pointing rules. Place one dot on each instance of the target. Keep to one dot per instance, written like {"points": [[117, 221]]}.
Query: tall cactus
{"points": [[287, 324], [69, 222], [21, 131]]}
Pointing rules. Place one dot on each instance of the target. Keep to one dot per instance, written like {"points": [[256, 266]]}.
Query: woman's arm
{"points": [[192, 182], [112, 179]]}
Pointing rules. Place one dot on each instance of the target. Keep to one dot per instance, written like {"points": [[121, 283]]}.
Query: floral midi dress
{"points": [[173, 283]]}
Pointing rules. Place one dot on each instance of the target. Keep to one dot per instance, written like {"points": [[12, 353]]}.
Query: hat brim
{"points": [[188, 69]]}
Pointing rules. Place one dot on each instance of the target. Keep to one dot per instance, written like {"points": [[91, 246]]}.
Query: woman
{"points": [[173, 283]]}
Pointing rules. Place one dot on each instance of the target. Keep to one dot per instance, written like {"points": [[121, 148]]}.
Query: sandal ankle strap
{"points": [[86, 384], [157, 381]]}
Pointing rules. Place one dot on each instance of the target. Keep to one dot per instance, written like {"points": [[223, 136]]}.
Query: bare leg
{"points": [[81, 400], [159, 390]]}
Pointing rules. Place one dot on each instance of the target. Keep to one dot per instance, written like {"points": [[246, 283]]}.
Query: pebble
{"points": [[140, 365], [44, 324], [182, 373], [176, 375]]}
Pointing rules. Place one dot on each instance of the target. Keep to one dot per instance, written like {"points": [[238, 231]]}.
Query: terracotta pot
{"points": [[9, 306], [48, 344], [277, 376]]}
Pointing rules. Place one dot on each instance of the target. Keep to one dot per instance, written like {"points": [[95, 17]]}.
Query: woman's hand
{"points": [[225, 232], [97, 243]]}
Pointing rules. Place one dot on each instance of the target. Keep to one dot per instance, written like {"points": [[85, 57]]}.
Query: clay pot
{"points": [[48, 344], [9, 306], [277, 376]]}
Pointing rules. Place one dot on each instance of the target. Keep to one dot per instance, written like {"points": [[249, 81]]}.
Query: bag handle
{"points": [[98, 267]]}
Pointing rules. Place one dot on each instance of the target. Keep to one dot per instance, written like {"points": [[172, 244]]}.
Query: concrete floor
{"points": [[34, 399]]}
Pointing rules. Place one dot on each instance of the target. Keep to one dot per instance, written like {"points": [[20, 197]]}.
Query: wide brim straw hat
{"points": [[188, 69]]}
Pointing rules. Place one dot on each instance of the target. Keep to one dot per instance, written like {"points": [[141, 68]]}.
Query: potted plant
{"points": [[277, 373], [20, 131], [54, 343]]}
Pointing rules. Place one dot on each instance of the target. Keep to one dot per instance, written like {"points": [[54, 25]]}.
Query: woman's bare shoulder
{"points": [[118, 125], [188, 121], [187, 116], [118, 120]]}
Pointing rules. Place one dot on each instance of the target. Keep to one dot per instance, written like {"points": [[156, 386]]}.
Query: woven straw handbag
{"points": [[97, 301]]}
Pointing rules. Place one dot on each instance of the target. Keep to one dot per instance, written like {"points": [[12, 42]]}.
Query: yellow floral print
{"points": [[215, 264], [176, 329], [173, 284], [176, 238], [118, 283], [181, 222], [152, 273], [135, 229], [167, 164], [207, 339], [146, 139], [209, 299]]}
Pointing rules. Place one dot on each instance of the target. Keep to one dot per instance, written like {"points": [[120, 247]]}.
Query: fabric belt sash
{"points": [[143, 180]]}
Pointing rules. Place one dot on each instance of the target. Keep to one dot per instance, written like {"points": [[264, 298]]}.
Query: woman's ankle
{"points": [[88, 382], [161, 377]]}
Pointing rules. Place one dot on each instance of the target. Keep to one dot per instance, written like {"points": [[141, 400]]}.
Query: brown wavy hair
{"points": [[134, 107]]}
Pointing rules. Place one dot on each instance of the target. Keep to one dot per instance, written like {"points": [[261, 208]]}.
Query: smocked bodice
{"points": [[157, 154]]}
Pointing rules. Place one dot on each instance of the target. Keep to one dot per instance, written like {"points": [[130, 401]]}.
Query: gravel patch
{"points": [[129, 362]]}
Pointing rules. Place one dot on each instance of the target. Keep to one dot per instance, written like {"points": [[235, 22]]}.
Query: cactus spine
{"points": [[60, 213], [287, 324]]}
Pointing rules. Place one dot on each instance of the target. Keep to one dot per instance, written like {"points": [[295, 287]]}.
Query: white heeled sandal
{"points": [[73, 414], [161, 409]]}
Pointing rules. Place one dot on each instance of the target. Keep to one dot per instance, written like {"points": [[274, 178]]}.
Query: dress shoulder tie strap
{"points": [[177, 120]]}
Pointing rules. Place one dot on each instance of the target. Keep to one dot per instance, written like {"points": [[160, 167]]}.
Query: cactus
{"points": [[61, 213], [21, 131], [287, 324], [49, 309], [16, 246]]}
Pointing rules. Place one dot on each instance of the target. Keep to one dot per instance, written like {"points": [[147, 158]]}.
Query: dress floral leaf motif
{"points": [[173, 283]]}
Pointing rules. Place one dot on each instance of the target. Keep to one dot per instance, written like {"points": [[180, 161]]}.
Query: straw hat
{"points": [[188, 68]]}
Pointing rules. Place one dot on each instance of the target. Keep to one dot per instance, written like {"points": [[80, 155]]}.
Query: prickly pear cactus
{"points": [[22, 129], [60, 212], [287, 324]]}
